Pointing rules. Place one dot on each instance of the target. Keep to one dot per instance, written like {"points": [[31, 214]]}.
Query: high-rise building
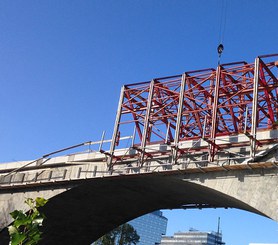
{"points": [[150, 227], [193, 237]]}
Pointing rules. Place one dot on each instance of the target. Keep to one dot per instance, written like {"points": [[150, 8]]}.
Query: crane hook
{"points": [[220, 49]]}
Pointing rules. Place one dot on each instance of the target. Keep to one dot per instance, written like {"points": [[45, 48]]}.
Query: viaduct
{"points": [[204, 138]]}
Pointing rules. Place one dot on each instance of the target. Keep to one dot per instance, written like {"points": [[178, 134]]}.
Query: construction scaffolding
{"points": [[234, 99]]}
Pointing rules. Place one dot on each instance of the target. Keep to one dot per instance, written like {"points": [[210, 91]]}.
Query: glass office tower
{"points": [[150, 227]]}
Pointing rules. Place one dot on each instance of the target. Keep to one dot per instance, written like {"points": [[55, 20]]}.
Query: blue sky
{"points": [[63, 63]]}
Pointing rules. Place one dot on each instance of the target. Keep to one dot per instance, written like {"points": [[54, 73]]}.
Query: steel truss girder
{"points": [[205, 104]]}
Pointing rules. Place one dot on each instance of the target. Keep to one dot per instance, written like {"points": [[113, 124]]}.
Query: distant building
{"points": [[193, 237], [150, 227]]}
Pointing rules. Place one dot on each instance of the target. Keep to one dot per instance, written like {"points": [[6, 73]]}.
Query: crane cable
{"points": [[222, 28]]}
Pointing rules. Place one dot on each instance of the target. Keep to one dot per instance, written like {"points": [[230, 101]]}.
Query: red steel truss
{"points": [[235, 98]]}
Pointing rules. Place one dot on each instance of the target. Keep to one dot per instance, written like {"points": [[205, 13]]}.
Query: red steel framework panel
{"points": [[235, 98]]}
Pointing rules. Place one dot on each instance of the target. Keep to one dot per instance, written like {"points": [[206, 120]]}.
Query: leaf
{"points": [[17, 238], [30, 202], [38, 220], [12, 230], [20, 222], [34, 236], [31, 242], [37, 237], [40, 202], [17, 214], [25, 228], [35, 214]]}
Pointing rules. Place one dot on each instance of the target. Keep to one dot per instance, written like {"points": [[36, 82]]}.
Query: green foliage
{"points": [[122, 235], [25, 228], [128, 235]]}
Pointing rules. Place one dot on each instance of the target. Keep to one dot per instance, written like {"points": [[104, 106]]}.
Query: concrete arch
{"points": [[89, 210]]}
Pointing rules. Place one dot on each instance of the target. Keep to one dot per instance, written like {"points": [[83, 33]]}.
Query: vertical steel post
{"points": [[167, 133], [204, 127], [133, 136], [179, 118], [254, 109], [214, 115], [101, 141], [116, 128], [147, 122], [245, 121]]}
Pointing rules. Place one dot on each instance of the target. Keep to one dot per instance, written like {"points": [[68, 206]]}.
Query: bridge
{"points": [[205, 138]]}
